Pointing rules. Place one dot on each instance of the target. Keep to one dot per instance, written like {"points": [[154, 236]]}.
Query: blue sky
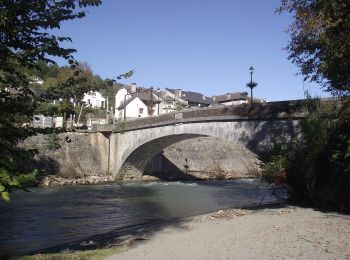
{"points": [[204, 46]]}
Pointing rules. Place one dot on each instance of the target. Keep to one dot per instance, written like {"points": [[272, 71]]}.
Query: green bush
{"points": [[121, 126], [53, 141], [317, 166], [9, 182], [274, 171]]}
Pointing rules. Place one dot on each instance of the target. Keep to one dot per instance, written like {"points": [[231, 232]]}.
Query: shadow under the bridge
{"points": [[162, 168], [195, 158], [143, 160]]}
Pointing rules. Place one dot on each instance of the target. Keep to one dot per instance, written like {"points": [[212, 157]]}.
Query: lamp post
{"points": [[251, 84], [158, 90]]}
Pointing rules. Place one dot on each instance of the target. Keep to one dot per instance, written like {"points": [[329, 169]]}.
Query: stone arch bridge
{"points": [[134, 143]]}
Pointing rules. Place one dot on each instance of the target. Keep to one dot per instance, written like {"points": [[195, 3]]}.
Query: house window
{"points": [[93, 94], [140, 110]]}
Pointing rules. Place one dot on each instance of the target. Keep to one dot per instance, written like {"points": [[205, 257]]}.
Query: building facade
{"points": [[132, 102], [94, 99], [193, 99]]}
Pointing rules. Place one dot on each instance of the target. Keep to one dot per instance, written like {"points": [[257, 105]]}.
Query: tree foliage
{"points": [[43, 71], [68, 84], [62, 85], [317, 167], [320, 41], [25, 39]]}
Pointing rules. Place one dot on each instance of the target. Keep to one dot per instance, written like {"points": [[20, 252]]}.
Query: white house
{"points": [[172, 102], [133, 108], [94, 99], [36, 80], [132, 102]]}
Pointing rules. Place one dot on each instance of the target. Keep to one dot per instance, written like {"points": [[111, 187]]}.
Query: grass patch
{"points": [[90, 254]]}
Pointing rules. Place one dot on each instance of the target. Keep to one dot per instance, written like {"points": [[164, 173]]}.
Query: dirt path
{"points": [[283, 233]]}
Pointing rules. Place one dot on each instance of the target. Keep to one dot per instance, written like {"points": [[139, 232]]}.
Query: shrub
{"points": [[317, 166], [53, 141], [121, 126], [274, 171]]}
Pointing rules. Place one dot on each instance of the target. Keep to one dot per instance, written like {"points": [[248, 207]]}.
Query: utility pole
{"points": [[81, 110], [107, 111]]}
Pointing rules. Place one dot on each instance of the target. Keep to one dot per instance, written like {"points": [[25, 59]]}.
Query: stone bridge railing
{"points": [[271, 110]]}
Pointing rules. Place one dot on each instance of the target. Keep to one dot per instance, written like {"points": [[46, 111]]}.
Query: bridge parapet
{"points": [[271, 110], [281, 109]]}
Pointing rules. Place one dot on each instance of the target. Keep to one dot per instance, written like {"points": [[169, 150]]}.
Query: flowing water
{"points": [[54, 219]]}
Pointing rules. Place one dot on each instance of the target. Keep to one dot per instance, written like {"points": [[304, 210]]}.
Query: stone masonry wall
{"points": [[200, 158], [82, 158]]}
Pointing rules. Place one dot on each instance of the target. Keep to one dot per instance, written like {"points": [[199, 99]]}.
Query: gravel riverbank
{"points": [[274, 233]]}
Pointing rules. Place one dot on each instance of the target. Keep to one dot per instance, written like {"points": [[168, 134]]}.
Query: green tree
{"points": [[320, 41], [71, 83], [25, 40], [316, 167], [43, 70]]}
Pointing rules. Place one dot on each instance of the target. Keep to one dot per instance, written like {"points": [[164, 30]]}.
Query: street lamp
{"points": [[158, 90], [251, 84]]}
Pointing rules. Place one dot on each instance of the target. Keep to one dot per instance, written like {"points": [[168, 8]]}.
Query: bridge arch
{"points": [[138, 161], [254, 135]]}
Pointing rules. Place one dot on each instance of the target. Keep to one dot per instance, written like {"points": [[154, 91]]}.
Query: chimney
{"points": [[203, 97], [214, 98], [133, 87], [178, 93]]}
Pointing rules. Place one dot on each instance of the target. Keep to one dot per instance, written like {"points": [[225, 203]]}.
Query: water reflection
{"points": [[49, 217]]}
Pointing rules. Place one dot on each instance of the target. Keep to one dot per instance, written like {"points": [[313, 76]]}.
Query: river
{"points": [[74, 217]]}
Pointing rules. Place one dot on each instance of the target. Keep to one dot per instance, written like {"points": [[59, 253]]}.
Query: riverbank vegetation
{"points": [[317, 165], [97, 254], [27, 38]]}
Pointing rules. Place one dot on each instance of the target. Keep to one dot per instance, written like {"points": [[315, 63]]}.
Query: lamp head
{"points": [[251, 70]]}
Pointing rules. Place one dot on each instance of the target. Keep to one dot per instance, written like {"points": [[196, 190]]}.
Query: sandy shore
{"points": [[275, 233]]}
